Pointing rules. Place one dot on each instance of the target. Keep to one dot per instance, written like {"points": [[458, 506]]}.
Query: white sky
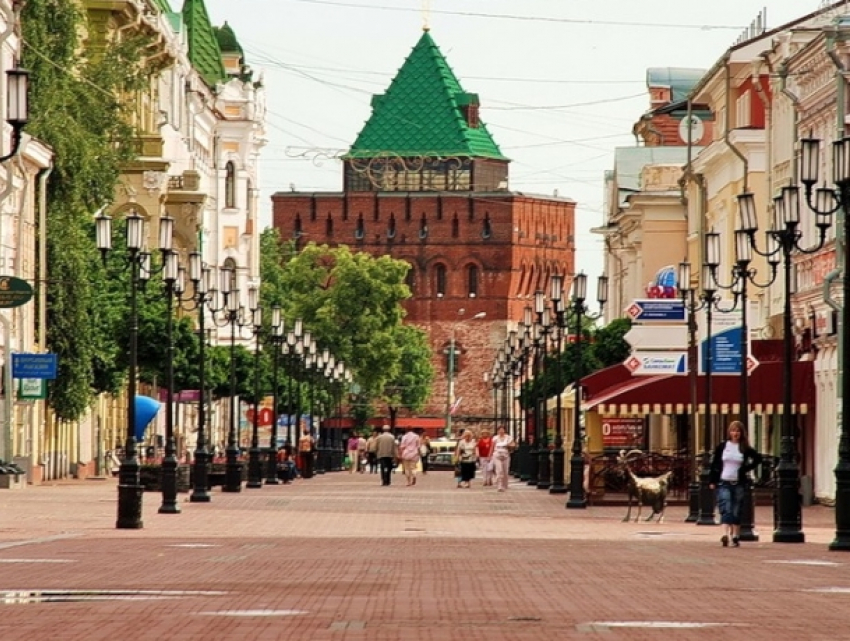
{"points": [[561, 82]]}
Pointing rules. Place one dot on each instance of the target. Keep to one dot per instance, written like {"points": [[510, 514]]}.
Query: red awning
{"points": [[669, 394]]}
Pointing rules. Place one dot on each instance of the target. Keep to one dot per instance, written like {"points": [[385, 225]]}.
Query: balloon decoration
{"points": [[146, 409]]}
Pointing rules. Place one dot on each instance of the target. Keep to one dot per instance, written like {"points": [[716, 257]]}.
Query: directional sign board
{"points": [[657, 310], [657, 337], [650, 363]]}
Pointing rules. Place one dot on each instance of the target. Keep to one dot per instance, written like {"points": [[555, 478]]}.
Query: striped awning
{"points": [[672, 394], [666, 409]]}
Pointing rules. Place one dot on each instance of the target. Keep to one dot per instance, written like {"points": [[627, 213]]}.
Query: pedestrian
{"points": [[485, 451], [361, 454], [306, 447], [424, 451], [731, 464], [371, 453], [353, 443], [503, 445], [409, 454], [465, 454], [387, 452]]}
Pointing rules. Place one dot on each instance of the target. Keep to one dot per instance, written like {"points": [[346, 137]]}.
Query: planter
{"points": [[150, 477]]}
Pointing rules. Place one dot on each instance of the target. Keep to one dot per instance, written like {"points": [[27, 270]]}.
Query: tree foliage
{"points": [[79, 106]]}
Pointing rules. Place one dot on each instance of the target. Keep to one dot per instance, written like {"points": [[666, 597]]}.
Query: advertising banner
{"points": [[622, 433]]}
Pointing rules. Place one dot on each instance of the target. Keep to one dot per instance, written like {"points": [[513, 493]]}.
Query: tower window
{"points": [[440, 276], [230, 185], [472, 280]]}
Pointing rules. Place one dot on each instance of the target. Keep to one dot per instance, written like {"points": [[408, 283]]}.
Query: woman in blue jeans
{"points": [[731, 464]]}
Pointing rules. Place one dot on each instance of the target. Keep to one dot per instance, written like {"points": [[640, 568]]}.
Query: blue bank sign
{"points": [[34, 366]]}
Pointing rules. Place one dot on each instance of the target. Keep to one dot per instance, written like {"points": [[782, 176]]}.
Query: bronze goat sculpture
{"points": [[651, 492]]}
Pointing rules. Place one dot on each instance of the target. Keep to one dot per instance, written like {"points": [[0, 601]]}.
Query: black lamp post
{"points": [[232, 466], [294, 349], [255, 470], [708, 301], [578, 499], [17, 106], [830, 201], [544, 477], [130, 490], [170, 274], [276, 340], [558, 455], [202, 278], [742, 276], [783, 240]]}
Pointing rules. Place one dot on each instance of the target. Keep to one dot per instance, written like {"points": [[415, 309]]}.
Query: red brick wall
{"points": [[531, 238]]}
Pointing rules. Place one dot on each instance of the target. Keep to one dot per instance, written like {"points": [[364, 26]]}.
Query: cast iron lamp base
{"points": [[558, 486], [255, 473], [578, 499]]}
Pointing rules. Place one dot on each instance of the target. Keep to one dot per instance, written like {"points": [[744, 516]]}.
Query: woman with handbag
{"points": [[465, 454], [503, 445]]}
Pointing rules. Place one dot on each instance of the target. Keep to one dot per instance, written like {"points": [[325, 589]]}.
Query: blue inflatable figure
{"points": [[146, 409]]}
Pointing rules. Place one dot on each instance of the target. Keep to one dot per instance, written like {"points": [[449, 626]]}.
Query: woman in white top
{"points": [[730, 466], [465, 454], [503, 445]]}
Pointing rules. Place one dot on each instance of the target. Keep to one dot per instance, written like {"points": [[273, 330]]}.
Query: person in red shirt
{"points": [[485, 452]]}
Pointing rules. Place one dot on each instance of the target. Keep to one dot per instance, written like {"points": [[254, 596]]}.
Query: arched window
{"points": [[472, 281], [329, 226], [360, 231], [455, 227], [391, 231], [440, 277], [230, 185]]}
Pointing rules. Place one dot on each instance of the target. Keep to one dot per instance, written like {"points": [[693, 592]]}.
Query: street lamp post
{"points": [[578, 499], [232, 467], [255, 470], [276, 340], [708, 301], [558, 455], [170, 273], [830, 201], [201, 277], [783, 240], [544, 321], [130, 490], [742, 276]]}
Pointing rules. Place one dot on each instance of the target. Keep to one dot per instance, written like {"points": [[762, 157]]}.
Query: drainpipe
{"points": [[38, 432], [726, 137]]}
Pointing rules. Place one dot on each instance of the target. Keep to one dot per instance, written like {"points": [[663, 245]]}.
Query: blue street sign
{"points": [[726, 352], [657, 310], [34, 366]]}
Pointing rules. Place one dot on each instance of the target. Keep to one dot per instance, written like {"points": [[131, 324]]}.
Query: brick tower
{"points": [[425, 182]]}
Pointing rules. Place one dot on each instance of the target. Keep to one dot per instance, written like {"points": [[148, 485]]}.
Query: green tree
{"points": [[411, 386], [79, 106]]}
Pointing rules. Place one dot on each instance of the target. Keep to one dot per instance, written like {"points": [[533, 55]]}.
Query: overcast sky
{"points": [[561, 82]]}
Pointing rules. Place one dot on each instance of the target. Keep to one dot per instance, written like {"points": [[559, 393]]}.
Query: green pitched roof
{"points": [[163, 5], [204, 52], [422, 113], [227, 41]]}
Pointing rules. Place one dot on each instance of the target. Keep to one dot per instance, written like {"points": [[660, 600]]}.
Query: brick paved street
{"points": [[338, 557]]}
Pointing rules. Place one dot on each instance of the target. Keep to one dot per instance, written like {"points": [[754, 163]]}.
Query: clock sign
{"points": [[695, 125]]}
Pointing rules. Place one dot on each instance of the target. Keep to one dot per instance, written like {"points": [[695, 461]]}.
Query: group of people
{"points": [[381, 451], [491, 453]]}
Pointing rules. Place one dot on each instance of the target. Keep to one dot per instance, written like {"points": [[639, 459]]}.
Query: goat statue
{"points": [[651, 491]]}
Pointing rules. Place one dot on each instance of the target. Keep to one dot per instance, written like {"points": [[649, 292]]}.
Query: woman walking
{"points": [[485, 452], [465, 454], [503, 445], [731, 464]]}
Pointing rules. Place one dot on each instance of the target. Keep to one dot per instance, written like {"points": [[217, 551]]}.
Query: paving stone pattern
{"points": [[338, 557]]}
